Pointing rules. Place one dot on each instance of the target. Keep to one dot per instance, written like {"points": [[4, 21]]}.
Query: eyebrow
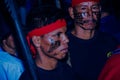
{"points": [[95, 5], [59, 33]]}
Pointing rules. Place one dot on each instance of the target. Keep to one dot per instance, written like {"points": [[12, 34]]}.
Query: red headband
{"points": [[75, 2], [48, 28], [44, 30]]}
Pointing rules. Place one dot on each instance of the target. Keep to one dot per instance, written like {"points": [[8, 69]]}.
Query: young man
{"points": [[87, 46], [11, 66], [48, 42]]}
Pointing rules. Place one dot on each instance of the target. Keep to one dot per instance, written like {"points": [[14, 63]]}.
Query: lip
{"points": [[65, 50]]}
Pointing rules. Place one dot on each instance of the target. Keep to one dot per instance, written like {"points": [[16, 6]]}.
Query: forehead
{"points": [[60, 30], [87, 4]]}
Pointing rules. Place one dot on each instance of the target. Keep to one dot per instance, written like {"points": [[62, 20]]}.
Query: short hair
{"points": [[41, 16]]}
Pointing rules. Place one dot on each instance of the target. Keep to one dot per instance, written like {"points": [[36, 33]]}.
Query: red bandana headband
{"points": [[48, 28], [44, 30], [75, 2]]}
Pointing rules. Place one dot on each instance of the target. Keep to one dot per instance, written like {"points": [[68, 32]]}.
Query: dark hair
{"points": [[5, 30], [41, 16]]}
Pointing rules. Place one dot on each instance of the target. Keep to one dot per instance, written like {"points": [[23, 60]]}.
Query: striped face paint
{"points": [[54, 44], [60, 23], [86, 14]]}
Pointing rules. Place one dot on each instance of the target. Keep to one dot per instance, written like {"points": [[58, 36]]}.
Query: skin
{"points": [[9, 46], [86, 17], [51, 47]]}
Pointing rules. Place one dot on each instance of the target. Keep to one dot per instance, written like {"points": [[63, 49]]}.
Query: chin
{"points": [[89, 27], [61, 57]]}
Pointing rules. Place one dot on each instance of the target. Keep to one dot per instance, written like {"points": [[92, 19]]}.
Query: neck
{"points": [[10, 50], [83, 34], [45, 62]]}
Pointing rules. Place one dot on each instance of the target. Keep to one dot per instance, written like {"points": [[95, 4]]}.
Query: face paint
{"points": [[54, 45], [86, 14]]}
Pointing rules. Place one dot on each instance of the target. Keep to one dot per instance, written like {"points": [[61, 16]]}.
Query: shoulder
{"points": [[10, 63], [7, 58], [114, 59], [111, 69]]}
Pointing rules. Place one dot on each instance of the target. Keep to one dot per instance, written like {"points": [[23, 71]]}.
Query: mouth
{"points": [[65, 50], [88, 21]]}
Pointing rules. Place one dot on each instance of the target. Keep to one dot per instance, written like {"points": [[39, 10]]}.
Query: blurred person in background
{"points": [[11, 67], [110, 21], [111, 70]]}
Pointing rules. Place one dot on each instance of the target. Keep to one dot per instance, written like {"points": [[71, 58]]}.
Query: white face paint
{"points": [[51, 41], [54, 44]]}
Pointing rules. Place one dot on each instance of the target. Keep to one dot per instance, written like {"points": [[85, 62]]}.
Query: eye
{"points": [[83, 8], [96, 7], [58, 34]]}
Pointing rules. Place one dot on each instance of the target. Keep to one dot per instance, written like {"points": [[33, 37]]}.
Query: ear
{"points": [[70, 10], [36, 41]]}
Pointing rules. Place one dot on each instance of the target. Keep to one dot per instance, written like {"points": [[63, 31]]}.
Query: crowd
{"points": [[67, 41]]}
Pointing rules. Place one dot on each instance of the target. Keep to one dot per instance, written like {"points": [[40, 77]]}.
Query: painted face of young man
{"points": [[54, 44], [86, 15]]}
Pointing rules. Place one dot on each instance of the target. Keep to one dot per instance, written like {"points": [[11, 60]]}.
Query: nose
{"points": [[65, 39], [90, 13]]}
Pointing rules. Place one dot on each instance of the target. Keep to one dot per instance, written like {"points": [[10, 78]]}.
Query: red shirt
{"points": [[111, 70]]}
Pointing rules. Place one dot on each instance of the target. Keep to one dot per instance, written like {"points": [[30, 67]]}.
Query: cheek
{"points": [[11, 41], [78, 16], [96, 15], [54, 44]]}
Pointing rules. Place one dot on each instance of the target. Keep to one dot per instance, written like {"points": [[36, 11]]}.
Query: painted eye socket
{"points": [[58, 34], [96, 8], [83, 8], [84, 14]]}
